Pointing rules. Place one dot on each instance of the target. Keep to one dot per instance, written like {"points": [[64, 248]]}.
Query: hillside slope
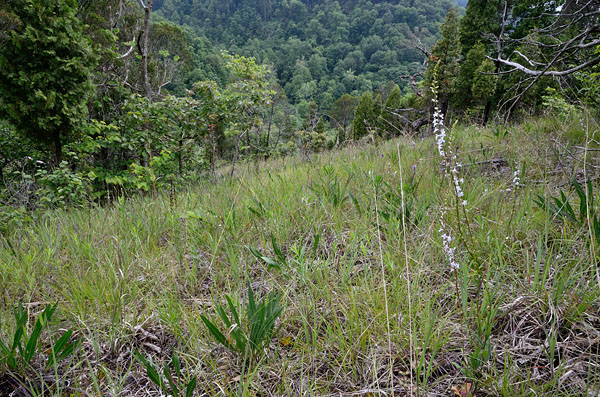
{"points": [[357, 245]]}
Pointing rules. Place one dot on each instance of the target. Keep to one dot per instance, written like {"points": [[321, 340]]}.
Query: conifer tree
{"points": [[45, 70], [445, 55], [388, 120], [365, 116], [468, 69], [482, 18]]}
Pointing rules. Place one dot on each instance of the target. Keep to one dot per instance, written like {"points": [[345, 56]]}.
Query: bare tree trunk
{"points": [[269, 131], [57, 147], [487, 109], [235, 155], [179, 157], [145, 78], [213, 142], [248, 146]]}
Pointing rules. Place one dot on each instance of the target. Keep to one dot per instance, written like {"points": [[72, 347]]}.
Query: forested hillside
{"points": [[320, 49]]}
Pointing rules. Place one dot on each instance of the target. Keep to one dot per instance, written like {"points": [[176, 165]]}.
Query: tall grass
{"points": [[370, 303]]}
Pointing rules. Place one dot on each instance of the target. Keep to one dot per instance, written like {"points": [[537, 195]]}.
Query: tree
{"points": [[484, 85], [468, 69], [389, 114], [342, 111], [375, 39], [365, 116], [567, 38], [482, 19], [245, 96], [445, 56], [484, 81], [45, 70], [144, 48]]}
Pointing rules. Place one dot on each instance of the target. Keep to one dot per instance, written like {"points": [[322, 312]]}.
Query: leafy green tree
{"points": [[245, 97], [373, 39], [45, 70], [302, 86], [342, 111], [484, 81]]}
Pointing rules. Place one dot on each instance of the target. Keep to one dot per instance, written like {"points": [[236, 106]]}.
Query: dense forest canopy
{"points": [[320, 49]]}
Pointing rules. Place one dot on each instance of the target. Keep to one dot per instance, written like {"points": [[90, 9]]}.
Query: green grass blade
{"points": [[216, 333], [191, 387]]}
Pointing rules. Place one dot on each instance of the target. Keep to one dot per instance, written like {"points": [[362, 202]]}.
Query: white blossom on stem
{"points": [[439, 130], [516, 181], [446, 244]]}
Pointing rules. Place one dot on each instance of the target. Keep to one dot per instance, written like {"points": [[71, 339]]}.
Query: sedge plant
{"points": [[251, 338]]}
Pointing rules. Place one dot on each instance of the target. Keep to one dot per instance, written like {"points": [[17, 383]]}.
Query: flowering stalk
{"points": [[441, 136], [452, 169], [516, 183]]}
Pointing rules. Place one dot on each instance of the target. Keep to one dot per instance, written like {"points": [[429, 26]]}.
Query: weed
{"points": [[17, 357], [329, 189], [170, 382], [252, 338], [560, 207]]}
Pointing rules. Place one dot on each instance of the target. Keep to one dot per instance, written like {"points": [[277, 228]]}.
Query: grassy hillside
{"points": [[370, 301]]}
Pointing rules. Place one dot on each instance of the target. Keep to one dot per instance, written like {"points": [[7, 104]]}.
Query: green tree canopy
{"points": [[45, 69], [365, 116]]}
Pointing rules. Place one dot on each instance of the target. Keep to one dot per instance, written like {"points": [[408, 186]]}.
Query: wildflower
{"points": [[448, 249], [439, 130], [516, 182], [516, 179], [457, 182]]}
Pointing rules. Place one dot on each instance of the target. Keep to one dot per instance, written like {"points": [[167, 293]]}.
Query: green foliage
{"points": [[468, 69], [342, 112], [365, 116], [329, 189], [481, 344], [389, 120], [17, 356], [484, 81], [556, 104], [143, 258], [482, 17], [560, 208], [445, 56], [153, 144], [320, 49], [62, 187], [247, 90], [251, 338], [394, 202], [589, 81], [312, 141], [169, 381], [45, 70]]}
